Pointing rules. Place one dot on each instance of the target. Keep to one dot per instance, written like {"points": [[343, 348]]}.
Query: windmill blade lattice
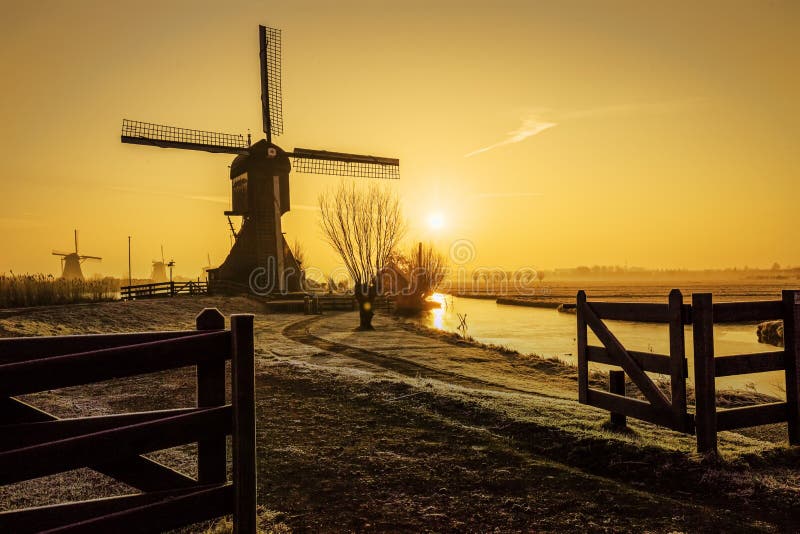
{"points": [[342, 164], [271, 94], [146, 133]]}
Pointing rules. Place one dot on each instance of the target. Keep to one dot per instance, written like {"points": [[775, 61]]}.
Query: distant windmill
{"points": [[260, 176], [208, 266], [71, 262], [159, 272]]}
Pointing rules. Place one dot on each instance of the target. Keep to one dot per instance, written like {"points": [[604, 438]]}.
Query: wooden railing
{"points": [[163, 289], [707, 367], [34, 443], [672, 412]]}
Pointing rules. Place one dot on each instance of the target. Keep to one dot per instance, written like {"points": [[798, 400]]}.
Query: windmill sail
{"points": [[145, 133], [271, 96], [342, 164]]}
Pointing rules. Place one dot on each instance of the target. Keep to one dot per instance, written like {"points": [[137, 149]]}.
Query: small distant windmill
{"points": [[208, 266], [71, 262], [260, 176], [159, 273]]}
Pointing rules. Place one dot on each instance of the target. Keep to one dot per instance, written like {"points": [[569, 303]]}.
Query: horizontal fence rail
{"points": [[119, 362], [34, 443], [672, 412]]}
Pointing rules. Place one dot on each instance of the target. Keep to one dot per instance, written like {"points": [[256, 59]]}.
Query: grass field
{"points": [[460, 437]]}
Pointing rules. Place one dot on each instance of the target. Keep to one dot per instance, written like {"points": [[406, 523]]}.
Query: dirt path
{"points": [[299, 331]]}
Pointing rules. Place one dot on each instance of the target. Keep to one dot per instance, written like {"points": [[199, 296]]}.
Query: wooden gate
{"points": [[702, 314], [34, 443], [657, 408]]}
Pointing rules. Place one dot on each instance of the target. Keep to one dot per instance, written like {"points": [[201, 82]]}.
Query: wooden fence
{"points": [[34, 443], [672, 411], [163, 289]]}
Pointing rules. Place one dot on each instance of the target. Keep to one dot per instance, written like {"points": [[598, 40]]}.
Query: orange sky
{"points": [[661, 136]]}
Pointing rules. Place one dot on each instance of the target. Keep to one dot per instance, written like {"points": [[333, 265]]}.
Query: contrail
{"points": [[533, 126], [529, 128], [507, 195]]}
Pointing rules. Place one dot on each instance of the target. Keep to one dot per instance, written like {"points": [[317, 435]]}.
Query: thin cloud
{"points": [[208, 198], [304, 207], [532, 124], [217, 199], [530, 127], [507, 195], [20, 223]]}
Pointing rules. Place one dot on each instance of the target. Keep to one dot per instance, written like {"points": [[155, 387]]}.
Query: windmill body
{"points": [[159, 273], [260, 179]]}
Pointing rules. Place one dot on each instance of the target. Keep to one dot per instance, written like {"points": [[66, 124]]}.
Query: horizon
{"points": [[677, 151]]}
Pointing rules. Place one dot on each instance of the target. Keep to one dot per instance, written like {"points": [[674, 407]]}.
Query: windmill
{"points": [[71, 262], [159, 272], [260, 177], [208, 267]]}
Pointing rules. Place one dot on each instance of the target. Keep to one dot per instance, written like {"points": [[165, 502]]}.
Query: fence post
{"points": [[244, 425], [583, 363], [211, 452], [791, 344], [677, 361], [616, 385], [704, 373]]}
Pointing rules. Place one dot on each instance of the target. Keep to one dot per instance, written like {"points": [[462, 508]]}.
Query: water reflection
{"points": [[549, 333]]}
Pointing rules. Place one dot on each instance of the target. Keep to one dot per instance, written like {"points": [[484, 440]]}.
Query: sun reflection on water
{"points": [[438, 313]]}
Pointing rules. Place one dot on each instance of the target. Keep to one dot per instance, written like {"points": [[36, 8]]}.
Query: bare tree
{"points": [[364, 226], [299, 252], [428, 270]]}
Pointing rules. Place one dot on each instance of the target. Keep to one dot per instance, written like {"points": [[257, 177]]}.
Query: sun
{"points": [[436, 220]]}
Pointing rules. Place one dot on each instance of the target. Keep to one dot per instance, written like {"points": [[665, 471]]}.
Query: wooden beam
{"points": [[678, 367], [212, 463], [630, 407], [118, 362], [20, 349], [652, 363], [583, 353], [791, 343], [620, 354], [742, 364], [747, 312], [244, 424], [214, 149], [616, 385], [136, 471], [27, 434], [161, 516], [109, 445], [43, 518], [631, 311], [745, 416], [705, 390]]}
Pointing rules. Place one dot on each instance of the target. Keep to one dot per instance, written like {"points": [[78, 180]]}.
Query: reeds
{"points": [[18, 291]]}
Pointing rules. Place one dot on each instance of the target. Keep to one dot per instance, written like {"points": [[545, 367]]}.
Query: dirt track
{"points": [[299, 331]]}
